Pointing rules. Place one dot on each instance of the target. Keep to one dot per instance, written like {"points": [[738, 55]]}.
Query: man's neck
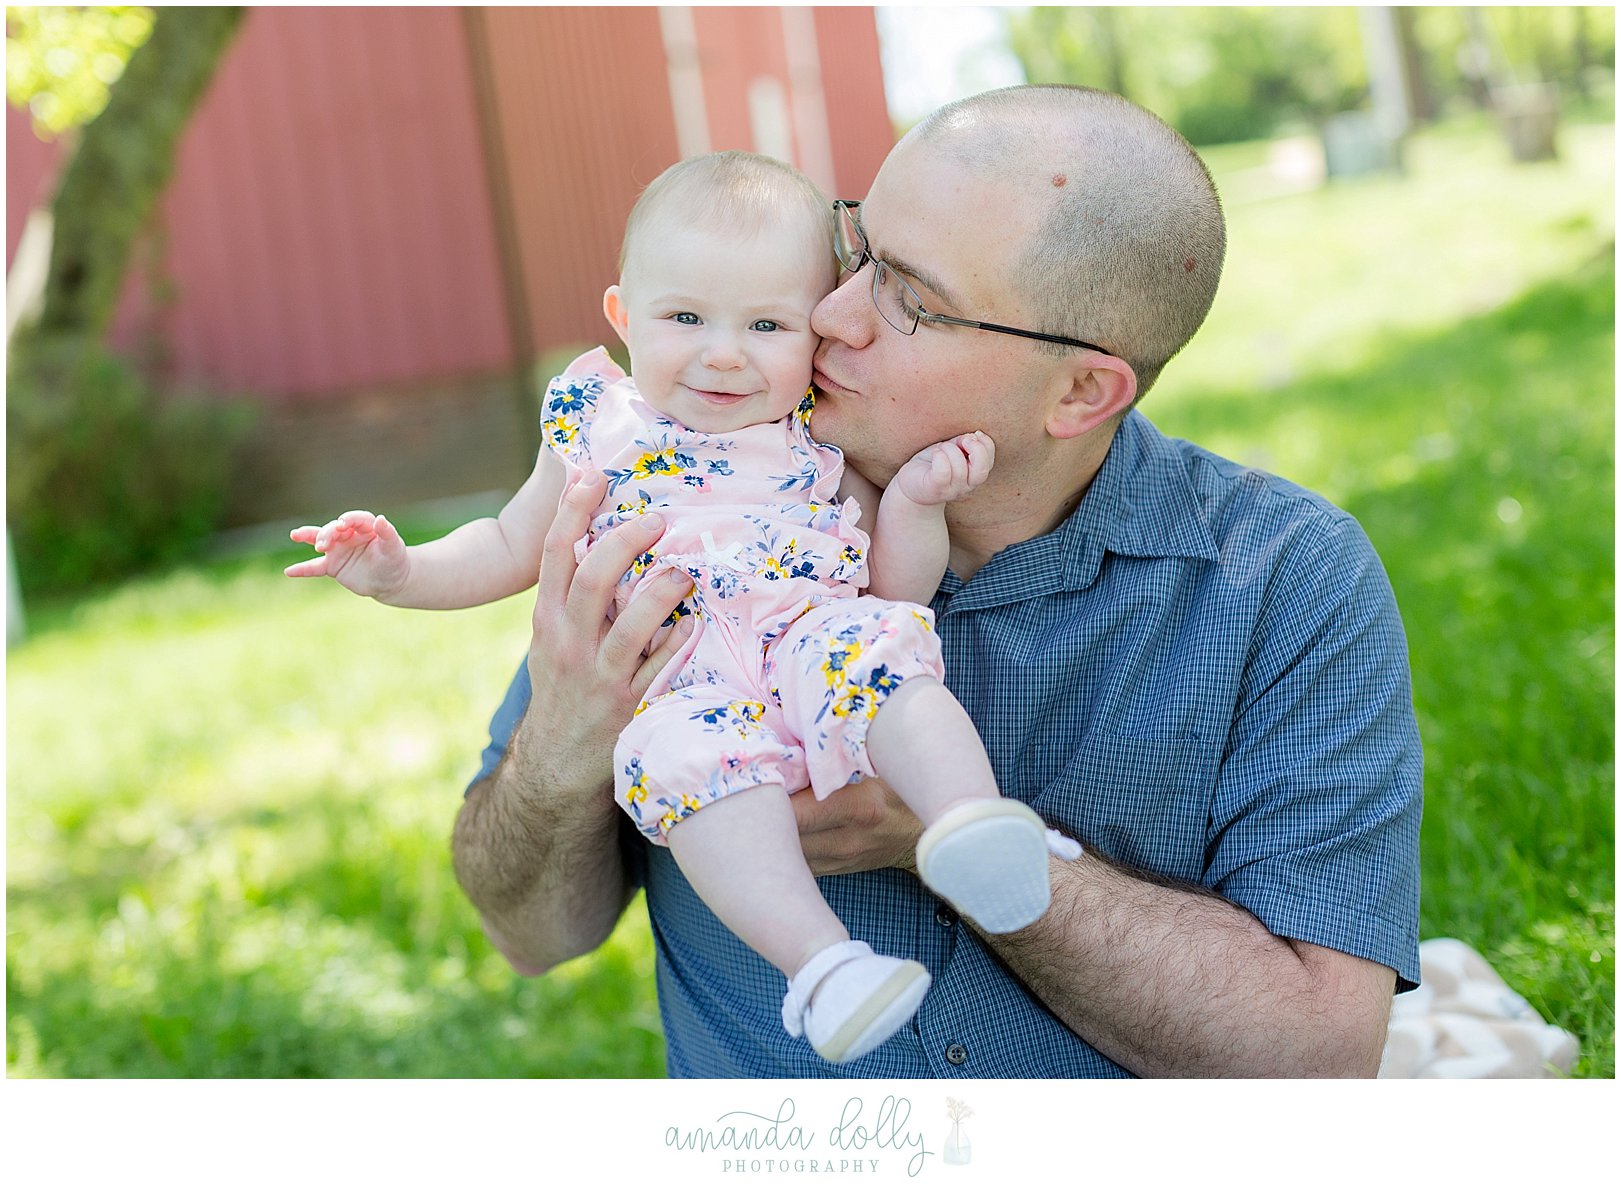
{"points": [[1019, 506]]}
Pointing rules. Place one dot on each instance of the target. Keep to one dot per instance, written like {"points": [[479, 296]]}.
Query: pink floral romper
{"points": [[787, 662]]}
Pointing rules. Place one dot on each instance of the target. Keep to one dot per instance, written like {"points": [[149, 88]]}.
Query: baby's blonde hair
{"points": [[739, 191]]}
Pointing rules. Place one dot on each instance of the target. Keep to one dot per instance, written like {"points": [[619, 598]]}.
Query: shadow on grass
{"points": [[287, 992]]}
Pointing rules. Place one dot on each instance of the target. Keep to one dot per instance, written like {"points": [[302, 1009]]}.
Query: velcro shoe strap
{"points": [[803, 985]]}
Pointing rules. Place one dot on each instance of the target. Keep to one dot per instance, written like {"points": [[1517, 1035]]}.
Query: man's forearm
{"points": [[1173, 982], [540, 863]]}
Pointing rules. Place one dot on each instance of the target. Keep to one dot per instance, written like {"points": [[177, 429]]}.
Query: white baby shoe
{"points": [[846, 1001], [989, 859]]}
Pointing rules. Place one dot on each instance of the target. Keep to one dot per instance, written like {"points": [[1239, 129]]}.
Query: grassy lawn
{"points": [[230, 794]]}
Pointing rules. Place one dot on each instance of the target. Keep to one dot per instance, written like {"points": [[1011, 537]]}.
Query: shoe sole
{"points": [[890, 1005], [989, 859]]}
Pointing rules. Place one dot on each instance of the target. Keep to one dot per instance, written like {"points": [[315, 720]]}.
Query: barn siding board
{"points": [[330, 241], [857, 113], [585, 123], [329, 225], [31, 166], [737, 46]]}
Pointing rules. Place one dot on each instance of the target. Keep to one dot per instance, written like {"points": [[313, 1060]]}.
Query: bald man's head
{"points": [[1128, 241]]}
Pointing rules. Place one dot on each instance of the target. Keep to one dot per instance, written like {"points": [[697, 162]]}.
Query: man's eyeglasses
{"points": [[896, 300]]}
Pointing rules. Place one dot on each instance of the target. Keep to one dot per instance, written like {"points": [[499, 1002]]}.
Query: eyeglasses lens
{"points": [[889, 296], [848, 241]]}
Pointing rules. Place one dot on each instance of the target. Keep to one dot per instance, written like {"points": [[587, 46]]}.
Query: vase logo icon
{"points": [[958, 1149]]}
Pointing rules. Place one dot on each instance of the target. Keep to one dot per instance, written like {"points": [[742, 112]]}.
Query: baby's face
{"points": [[719, 327]]}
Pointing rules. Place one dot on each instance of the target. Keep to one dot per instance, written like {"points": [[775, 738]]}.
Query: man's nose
{"points": [[847, 312]]}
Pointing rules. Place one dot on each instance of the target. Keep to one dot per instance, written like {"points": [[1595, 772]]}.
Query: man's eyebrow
{"points": [[928, 279]]}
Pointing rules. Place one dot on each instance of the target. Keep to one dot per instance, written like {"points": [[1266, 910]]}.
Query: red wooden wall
{"points": [[329, 224], [583, 109], [389, 213]]}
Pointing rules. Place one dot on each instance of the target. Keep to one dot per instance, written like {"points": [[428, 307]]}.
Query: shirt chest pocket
{"points": [[1142, 802]]}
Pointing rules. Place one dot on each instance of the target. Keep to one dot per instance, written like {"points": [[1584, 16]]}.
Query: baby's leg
{"points": [[705, 770], [741, 854], [924, 746], [861, 682]]}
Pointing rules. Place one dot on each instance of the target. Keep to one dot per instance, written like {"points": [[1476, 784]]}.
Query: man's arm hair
{"points": [[1172, 980], [541, 864], [536, 844]]}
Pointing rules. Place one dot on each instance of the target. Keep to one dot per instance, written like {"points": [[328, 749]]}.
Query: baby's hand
{"points": [[362, 552], [948, 470]]}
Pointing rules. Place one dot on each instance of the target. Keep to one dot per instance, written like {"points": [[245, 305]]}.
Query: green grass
{"points": [[230, 795]]}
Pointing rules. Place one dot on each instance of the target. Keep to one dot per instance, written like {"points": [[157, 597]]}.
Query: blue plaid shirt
{"points": [[1200, 672]]}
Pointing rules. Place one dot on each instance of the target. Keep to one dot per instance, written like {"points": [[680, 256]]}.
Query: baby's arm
{"points": [[910, 545], [480, 562]]}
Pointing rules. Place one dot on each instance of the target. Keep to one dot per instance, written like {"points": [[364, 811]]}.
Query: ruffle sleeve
{"points": [[569, 407]]}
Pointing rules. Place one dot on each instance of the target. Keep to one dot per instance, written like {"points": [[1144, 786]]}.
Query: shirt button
{"points": [[944, 916], [956, 1054]]}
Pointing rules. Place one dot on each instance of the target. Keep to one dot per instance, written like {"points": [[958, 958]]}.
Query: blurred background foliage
{"points": [[109, 470], [61, 60], [1224, 74]]}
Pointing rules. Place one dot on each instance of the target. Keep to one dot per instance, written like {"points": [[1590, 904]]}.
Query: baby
{"points": [[790, 676]]}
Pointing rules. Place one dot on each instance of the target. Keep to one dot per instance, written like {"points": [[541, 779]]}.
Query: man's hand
{"points": [[589, 672], [362, 552], [947, 470], [536, 843], [862, 827]]}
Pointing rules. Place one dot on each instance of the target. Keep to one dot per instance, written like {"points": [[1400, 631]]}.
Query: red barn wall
{"points": [[329, 223], [381, 216], [584, 122]]}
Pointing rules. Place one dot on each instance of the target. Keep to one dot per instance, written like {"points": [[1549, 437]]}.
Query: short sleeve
{"points": [[570, 405], [503, 723], [1315, 819]]}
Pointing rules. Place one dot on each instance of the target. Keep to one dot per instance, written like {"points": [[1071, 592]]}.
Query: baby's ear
{"points": [[618, 314]]}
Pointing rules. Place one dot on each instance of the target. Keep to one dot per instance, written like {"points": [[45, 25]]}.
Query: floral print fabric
{"points": [[786, 664]]}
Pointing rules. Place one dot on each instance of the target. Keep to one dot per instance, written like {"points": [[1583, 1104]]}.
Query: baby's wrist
{"points": [[393, 593]]}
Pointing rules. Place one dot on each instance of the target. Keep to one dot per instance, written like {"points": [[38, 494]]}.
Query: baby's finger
{"points": [[386, 532], [981, 453], [315, 567], [305, 535]]}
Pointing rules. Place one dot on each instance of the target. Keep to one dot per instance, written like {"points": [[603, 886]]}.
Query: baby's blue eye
{"points": [[765, 324], [687, 319]]}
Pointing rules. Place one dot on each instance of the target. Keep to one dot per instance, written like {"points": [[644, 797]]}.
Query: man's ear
{"points": [[1104, 388], [617, 312]]}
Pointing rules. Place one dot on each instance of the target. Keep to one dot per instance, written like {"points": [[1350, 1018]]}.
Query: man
{"points": [[1196, 669]]}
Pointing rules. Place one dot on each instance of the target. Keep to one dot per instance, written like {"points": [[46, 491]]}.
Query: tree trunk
{"points": [[1415, 69], [1108, 25], [122, 163], [1582, 48]]}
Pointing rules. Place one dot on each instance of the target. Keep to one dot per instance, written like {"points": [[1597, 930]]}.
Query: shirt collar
{"points": [[1140, 504]]}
